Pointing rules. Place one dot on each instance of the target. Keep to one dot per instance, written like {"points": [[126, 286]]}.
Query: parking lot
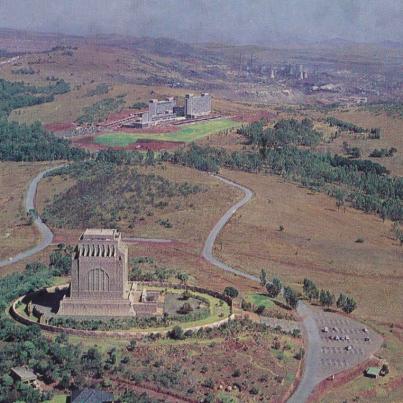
{"points": [[344, 343]]}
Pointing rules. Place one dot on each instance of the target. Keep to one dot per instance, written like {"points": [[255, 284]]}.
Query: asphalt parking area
{"points": [[344, 343]]}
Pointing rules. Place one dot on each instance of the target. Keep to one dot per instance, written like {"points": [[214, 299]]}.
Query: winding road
{"points": [[45, 233], [311, 331]]}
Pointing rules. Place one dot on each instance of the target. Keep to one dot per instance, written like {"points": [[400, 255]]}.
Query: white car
{"points": [[348, 348]]}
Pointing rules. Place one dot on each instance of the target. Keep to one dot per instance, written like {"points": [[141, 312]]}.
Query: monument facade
{"points": [[99, 276]]}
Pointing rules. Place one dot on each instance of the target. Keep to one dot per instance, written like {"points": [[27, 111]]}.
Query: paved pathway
{"points": [[45, 233], [209, 243]]}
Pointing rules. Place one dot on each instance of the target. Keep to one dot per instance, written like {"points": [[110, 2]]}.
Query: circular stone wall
{"points": [[212, 321]]}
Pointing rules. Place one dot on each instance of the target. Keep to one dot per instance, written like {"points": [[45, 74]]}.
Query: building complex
{"points": [[166, 110]]}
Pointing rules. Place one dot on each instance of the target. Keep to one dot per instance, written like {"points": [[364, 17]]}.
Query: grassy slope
{"points": [[15, 235], [186, 134]]}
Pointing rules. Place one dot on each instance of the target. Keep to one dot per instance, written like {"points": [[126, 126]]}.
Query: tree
{"points": [[60, 261], [349, 305], [231, 292], [274, 288], [340, 198], [291, 297], [341, 301], [183, 277], [310, 289], [132, 344], [326, 298], [263, 277]]}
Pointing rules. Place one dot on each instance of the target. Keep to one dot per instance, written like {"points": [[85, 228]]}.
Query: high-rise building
{"points": [[197, 105]]}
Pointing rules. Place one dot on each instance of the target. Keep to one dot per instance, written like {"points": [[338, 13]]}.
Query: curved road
{"points": [[308, 382], [311, 331], [45, 232]]}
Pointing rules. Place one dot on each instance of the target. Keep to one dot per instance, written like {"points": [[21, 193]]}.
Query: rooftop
{"points": [[100, 233], [91, 396], [25, 374], [374, 371]]}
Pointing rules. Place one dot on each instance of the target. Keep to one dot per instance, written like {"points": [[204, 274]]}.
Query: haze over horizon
{"points": [[235, 21]]}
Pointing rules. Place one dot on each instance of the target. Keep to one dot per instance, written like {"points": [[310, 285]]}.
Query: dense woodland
{"points": [[106, 194], [363, 183], [21, 142]]}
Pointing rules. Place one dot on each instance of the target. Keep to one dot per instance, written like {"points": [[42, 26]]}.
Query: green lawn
{"points": [[58, 399], [187, 134], [260, 299]]}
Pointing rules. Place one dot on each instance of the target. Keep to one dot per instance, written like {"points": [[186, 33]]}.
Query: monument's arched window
{"points": [[98, 280]]}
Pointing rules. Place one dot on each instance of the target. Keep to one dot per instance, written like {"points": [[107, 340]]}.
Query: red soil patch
{"points": [[151, 130], [124, 113], [152, 145], [59, 127]]}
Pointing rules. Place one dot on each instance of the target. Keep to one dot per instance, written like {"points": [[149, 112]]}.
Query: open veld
{"points": [[292, 229], [319, 242], [186, 134], [15, 232]]}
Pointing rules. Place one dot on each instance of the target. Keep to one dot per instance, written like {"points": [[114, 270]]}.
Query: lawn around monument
{"points": [[187, 134], [216, 308]]}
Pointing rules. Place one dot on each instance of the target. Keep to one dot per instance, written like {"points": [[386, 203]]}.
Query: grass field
{"points": [[187, 134], [260, 299]]}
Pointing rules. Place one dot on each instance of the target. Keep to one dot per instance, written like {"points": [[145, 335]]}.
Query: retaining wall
{"points": [[123, 334]]}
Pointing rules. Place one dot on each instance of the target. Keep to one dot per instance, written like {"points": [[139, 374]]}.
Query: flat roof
{"points": [[373, 370], [25, 374], [88, 395], [99, 231], [106, 234]]}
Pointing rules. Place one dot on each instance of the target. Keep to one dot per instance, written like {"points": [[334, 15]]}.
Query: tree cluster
{"points": [[366, 184]]}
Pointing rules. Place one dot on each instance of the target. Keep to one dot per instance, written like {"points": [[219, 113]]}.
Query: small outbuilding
{"points": [[89, 395], [373, 372], [24, 375]]}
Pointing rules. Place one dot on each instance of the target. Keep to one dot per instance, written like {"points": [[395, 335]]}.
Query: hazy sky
{"points": [[241, 21]]}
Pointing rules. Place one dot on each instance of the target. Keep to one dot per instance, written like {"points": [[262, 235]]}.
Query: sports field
{"points": [[187, 134]]}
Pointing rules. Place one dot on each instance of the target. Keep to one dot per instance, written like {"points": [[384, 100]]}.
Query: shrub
{"points": [[231, 292], [185, 309], [177, 333]]}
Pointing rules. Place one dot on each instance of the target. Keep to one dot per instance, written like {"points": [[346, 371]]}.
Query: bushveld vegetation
{"points": [[100, 110], [20, 142], [394, 109], [100, 89], [344, 125], [14, 95], [363, 183], [105, 193], [383, 152]]}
